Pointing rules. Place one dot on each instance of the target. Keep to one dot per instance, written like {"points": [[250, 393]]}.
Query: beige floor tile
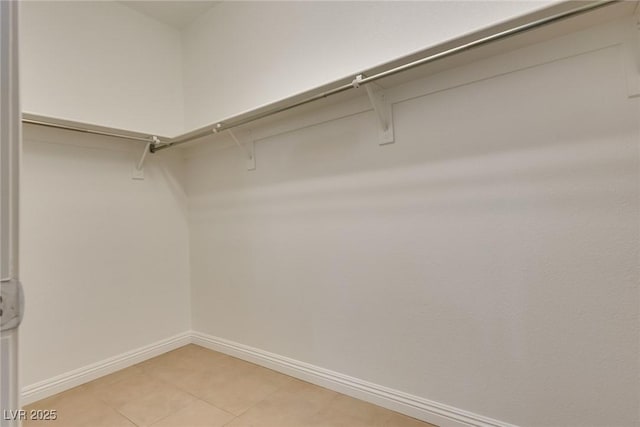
{"points": [[197, 369], [345, 411], [293, 405], [199, 383], [232, 364], [76, 408], [214, 377], [114, 377], [237, 393], [245, 422], [181, 376], [158, 403], [76, 395], [196, 414], [189, 355], [399, 420], [196, 387], [126, 390], [100, 416], [195, 351]]}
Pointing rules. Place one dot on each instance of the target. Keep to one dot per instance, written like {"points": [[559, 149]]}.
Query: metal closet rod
{"points": [[86, 130], [246, 118], [240, 120]]}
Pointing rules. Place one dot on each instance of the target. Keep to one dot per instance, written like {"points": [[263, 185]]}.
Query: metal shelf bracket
{"points": [[138, 170], [244, 141], [381, 107]]}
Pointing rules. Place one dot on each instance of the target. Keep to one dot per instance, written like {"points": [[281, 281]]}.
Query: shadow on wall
{"points": [[482, 122], [487, 259]]}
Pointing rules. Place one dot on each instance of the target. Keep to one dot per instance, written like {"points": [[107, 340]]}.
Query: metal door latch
{"points": [[11, 304]]}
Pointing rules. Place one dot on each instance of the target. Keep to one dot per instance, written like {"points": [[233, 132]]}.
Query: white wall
{"points": [[487, 260], [101, 63], [104, 258], [243, 54]]}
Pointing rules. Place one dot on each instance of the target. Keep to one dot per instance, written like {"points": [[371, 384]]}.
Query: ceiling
{"points": [[178, 14]]}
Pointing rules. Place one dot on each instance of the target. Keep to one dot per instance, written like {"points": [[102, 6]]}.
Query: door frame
{"points": [[12, 302]]}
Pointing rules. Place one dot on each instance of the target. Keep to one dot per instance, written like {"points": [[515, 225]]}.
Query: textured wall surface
{"points": [[103, 63], [103, 257], [240, 55], [487, 260]]}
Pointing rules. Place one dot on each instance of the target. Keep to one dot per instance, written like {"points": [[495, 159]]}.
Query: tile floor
{"points": [[196, 387]]}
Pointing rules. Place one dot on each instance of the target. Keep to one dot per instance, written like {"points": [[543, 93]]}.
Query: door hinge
{"points": [[11, 304]]}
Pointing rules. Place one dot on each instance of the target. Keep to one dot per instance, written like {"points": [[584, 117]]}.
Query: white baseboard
{"points": [[414, 406], [427, 410], [43, 389]]}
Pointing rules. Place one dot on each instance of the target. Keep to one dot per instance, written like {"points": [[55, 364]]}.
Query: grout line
{"points": [[123, 415]]}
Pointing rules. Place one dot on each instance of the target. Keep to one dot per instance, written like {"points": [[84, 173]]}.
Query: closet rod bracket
{"points": [[244, 141], [382, 108], [138, 170], [155, 144]]}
